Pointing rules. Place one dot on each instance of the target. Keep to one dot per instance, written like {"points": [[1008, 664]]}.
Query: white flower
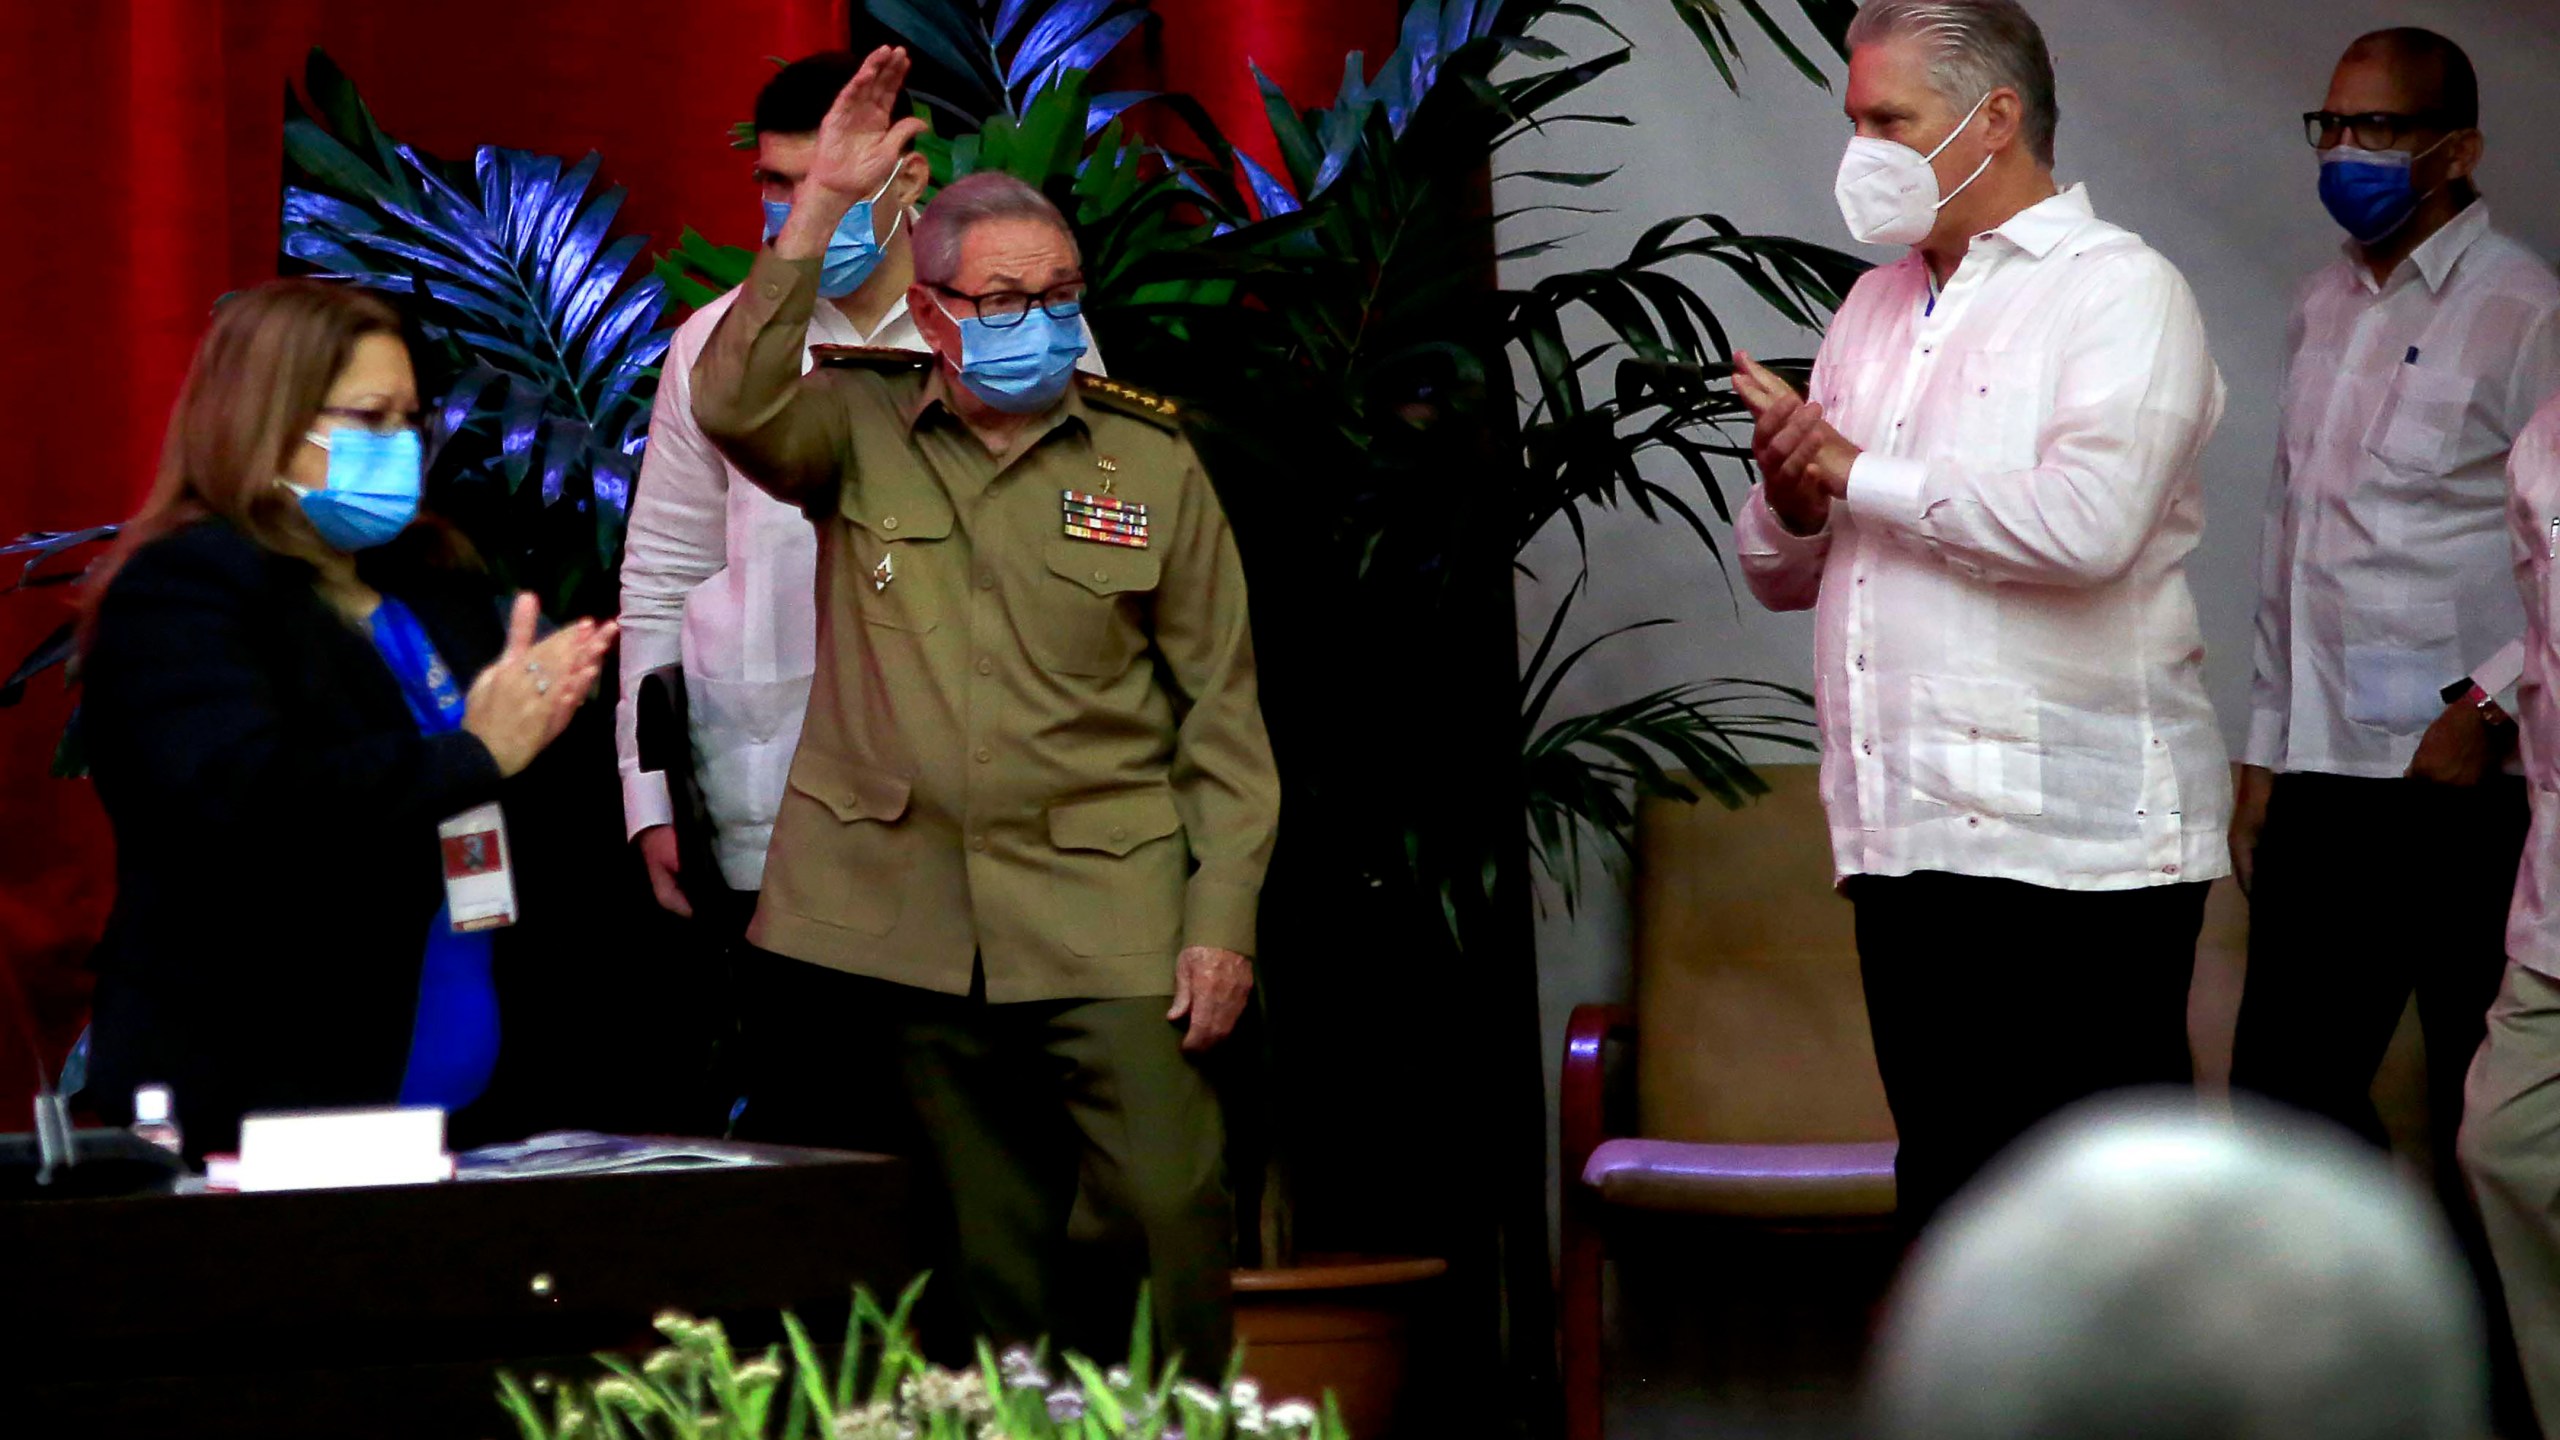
{"points": [[1199, 1396], [875, 1421], [1066, 1405], [1292, 1415], [1118, 1377], [1244, 1394]]}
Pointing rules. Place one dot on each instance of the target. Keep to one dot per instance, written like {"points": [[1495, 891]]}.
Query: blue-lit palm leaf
{"points": [[543, 346], [983, 58]]}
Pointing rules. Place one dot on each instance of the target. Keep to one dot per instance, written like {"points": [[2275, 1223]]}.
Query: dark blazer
{"points": [[275, 814]]}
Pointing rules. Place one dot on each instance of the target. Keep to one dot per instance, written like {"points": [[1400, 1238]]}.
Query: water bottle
{"points": [[154, 1120]]}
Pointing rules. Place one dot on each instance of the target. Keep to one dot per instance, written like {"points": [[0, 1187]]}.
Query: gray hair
{"points": [[1976, 47], [2147, 1273], [969, 201]]}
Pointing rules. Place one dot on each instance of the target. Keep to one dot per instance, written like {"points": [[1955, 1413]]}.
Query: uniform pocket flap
{"points": [[1113, 824], [853, 792], [890, 516], [1105, 569]]}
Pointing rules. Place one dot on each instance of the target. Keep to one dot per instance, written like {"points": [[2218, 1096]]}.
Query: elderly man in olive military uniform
{"points": [[1034, 793]]}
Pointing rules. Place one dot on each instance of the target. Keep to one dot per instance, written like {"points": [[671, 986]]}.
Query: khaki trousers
{"points": [[2510, 1152], [1082, 1153]]}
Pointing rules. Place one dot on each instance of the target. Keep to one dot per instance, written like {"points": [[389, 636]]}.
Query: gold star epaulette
{"points": [[871, 357], [1128, 399]]}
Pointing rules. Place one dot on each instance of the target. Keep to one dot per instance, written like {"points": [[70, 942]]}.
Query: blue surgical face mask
{"points": [[374, 482], [853, 252], [1023, 367], [2369, 192]]}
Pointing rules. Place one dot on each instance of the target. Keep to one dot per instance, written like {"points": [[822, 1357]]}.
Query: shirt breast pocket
{"points": [[2430, 425], [1996, 410], [1091, 615], [1974, 745]]}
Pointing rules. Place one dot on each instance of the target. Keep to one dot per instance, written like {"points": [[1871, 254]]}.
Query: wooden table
{"points": [[387, 1312]]}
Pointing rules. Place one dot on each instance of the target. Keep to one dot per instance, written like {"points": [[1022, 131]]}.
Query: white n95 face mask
{"points": [[1888, 193]]}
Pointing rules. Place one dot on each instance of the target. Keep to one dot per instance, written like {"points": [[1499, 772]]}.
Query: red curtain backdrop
{"points": [[140, 152]]}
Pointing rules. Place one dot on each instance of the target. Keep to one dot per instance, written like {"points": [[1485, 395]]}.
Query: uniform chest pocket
{"points": [[1091, 615], [2429, 425], [894, 561]]}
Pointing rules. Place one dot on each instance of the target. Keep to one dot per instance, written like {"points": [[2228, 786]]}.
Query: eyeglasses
{"points": [[378, 419], [1004, 309], [2372, 130]]}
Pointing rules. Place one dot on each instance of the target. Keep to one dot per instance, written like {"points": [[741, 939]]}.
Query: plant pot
{"points": [[1333, 1322]]}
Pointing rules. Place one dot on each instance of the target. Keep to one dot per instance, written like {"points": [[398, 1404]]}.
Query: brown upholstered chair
{"points": [[1758, 1102]]}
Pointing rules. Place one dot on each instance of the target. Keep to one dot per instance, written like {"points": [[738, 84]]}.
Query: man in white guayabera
{"points": [[1988, 503]]}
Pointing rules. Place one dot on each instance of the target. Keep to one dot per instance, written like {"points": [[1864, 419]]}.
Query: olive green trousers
{"points": [[1082, 1152]]}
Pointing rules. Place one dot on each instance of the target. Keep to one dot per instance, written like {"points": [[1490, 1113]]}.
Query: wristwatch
{"points": [[2468, 690]]}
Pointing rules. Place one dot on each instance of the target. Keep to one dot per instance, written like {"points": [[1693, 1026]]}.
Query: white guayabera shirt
{"points": [[2383, 573], [2007, 669], [722, 577], [2533, 509]]}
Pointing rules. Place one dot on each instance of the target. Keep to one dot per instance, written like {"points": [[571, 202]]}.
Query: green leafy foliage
{"points": [[538, 348], [882, 1388], [698, 272]]}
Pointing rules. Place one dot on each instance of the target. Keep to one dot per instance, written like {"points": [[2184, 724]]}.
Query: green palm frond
{"points": [[1711, 22], [1585, 772]]}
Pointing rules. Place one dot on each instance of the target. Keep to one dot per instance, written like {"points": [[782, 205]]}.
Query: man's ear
{"points": [[936, 328], [2002, 116], [2462, 155], [914, 173]]}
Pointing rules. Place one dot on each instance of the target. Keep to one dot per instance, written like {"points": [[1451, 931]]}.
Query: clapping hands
{"points": [[527, 696], [1804, 462]]}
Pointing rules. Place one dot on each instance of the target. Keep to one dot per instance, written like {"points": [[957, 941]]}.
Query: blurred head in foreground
{"points": [[2138, 1271]]}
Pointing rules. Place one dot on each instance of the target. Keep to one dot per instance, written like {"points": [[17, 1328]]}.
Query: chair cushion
{"points": [[1849, 1181]]}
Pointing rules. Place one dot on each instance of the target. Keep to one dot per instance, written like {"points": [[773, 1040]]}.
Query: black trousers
{"points": [[1996, 1003], [819, 1066], [2365, 892]]}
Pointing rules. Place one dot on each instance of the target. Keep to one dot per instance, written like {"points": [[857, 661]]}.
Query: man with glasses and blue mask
{"points": [[1988, 501], [719, 577], [2388, 619], [1033, 799]]}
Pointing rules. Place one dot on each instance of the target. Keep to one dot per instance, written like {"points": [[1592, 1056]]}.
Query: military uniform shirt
{"points": [[1023, 749]]}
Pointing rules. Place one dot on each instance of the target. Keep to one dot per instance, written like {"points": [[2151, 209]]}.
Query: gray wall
{"points": [[2180, 115]]}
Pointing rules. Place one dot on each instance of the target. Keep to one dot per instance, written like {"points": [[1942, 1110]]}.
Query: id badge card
{"points": [[479, 879]]}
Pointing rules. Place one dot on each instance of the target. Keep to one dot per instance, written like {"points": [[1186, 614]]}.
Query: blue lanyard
{"points": [[425, 682]]}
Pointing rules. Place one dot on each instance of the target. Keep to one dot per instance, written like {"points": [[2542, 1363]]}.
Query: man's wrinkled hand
{"points": [[2460, 748], [1209, 987]]}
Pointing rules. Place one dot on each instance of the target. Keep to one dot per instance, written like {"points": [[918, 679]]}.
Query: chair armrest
{"points": [[1582, 1115]]}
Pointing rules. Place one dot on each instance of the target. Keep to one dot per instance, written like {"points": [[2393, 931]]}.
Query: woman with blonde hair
{"points": [[290, 681]]}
